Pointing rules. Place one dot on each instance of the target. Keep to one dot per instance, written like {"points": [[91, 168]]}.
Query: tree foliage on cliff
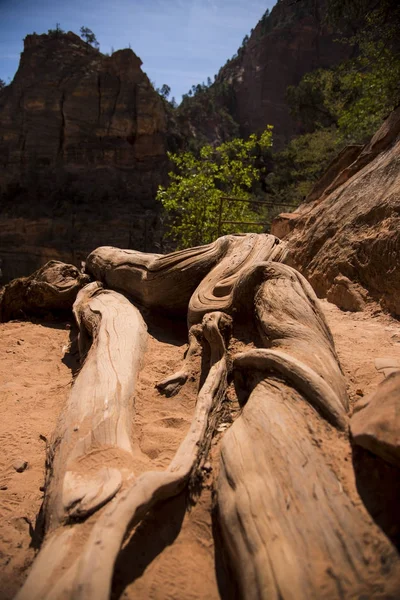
{"points": [[197, 183], [345, 104], [355, 96], [89, 37], [298, 167]]}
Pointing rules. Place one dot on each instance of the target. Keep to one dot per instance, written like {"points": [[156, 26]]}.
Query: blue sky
{"points": [[181, 42]]}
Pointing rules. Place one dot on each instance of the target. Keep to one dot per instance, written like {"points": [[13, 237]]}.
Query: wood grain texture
{"points": [[289, 528], [205, 275], [91, 452], [72, 569]]}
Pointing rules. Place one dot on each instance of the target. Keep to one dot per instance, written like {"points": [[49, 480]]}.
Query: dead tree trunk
{"points": [[77, 562], [291, 531], [91, 454]]}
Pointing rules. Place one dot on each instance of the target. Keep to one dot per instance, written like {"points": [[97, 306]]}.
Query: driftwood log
{"points": [[91, 450], [205, 276], [290, 530], [52, 288], [90, 456]]}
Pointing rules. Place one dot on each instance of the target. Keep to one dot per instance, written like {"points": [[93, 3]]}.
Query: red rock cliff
{"points": [[82, 141], [292, 41]]}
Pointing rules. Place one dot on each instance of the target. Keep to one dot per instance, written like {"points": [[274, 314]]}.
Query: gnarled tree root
{"points": [[88, 576], [290, 530], [300, 376]]}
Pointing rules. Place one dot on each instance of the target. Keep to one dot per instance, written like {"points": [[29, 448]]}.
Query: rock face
{"points": [[283, 47], [83, 136], [82, 139], [376, 426], [351, 232]]}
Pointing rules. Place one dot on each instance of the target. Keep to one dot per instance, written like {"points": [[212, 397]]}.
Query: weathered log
{"points": [[94, 576], [87, 574], [91, 453], [290, 530], [52, 288], [205, 276]]}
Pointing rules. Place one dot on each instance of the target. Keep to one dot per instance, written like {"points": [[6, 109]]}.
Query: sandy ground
{"points": [[171, 555]]}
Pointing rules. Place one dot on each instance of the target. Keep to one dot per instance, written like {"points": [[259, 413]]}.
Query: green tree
{"points": [[355, 96], [297, 167], [164, 91], [56, 32], [192, 199], [89, 37], [2, 84]]}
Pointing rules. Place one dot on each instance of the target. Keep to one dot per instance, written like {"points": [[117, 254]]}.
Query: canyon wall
{"points": [[83, 140], [251, 87], [345, 238]]}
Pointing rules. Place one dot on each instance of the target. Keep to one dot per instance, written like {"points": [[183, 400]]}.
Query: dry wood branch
{"points": [[90, 575], [53, 287], [91, 452], [290, 530]]}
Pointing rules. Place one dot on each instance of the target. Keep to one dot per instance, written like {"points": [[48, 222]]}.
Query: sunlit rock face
{"points": [[346, 239], [292, 41], [82, 141]]}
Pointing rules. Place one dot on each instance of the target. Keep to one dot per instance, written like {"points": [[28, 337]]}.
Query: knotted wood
{"points": [[290, 530], [205, 276], [90, 457]]}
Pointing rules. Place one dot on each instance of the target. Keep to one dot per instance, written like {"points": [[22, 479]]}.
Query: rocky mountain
{"points": [[251, 88], [84, 136], [345, 239], [83, 140]]}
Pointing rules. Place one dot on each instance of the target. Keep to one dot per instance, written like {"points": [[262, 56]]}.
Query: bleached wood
{"points": [[88, 575], [290, 530], [91, 452], [202, 278]]}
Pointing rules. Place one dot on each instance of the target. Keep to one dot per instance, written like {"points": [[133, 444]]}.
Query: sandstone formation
{"points": [[346, 241], [84, 136], [83, 140], [376, 426], [251, 87]]}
